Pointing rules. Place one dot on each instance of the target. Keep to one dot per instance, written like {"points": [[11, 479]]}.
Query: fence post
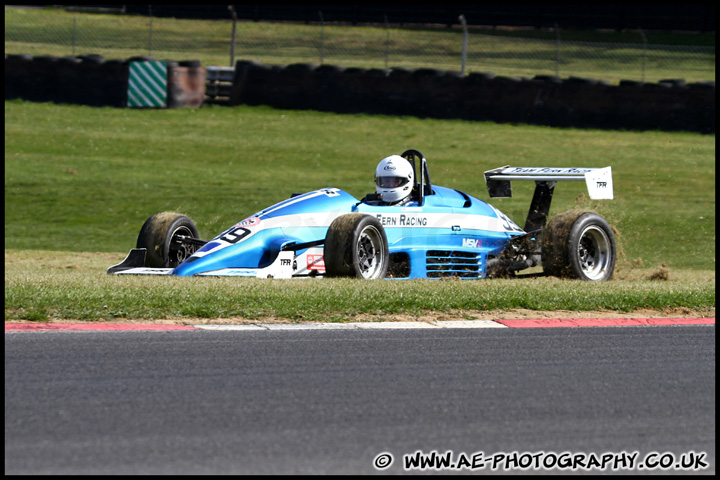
{"points": [[151, 25], [464, 44], [74, 30], [387, 40], [322, 37], [557, 50], [644, 56], [232, 40]]}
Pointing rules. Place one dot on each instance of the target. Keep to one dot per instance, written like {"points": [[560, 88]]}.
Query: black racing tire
{"points": [[356, 246], [579, 245], [141, 58], [92, 58], [190, 63], [46, 58], [69, 60], [159, 234]]}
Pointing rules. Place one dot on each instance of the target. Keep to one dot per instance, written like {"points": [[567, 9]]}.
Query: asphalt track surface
{"points": [[332, 401]]}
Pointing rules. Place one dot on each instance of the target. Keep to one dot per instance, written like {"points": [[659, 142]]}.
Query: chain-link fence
{"points": [[383, 45]]}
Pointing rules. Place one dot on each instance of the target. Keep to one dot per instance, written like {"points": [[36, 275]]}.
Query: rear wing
{"points": [[598, 180]]}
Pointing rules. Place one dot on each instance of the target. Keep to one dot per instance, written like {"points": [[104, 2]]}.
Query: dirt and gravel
{"points": [[429, 317]]}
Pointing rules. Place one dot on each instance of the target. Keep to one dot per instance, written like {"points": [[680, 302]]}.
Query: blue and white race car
{"points": [[430, 232]]}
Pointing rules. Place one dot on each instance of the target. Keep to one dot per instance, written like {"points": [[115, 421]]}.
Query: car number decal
{"points": [[507, 224], [235, 235]]}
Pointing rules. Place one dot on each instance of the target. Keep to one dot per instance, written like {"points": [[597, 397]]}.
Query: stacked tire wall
{"points": [[87, 80], [93, 80], [542, 100]]}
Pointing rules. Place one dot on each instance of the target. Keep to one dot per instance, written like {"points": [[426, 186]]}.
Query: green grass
{"points": [[42, 286], [80, 179], [610, 56]]}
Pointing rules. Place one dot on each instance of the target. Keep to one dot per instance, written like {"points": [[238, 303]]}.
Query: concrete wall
{"points": [[543, 100]]}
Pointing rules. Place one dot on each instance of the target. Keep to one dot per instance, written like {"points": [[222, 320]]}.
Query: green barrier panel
{"points": [[147, 84]]}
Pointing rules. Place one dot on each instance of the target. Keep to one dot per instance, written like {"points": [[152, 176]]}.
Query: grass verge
{"points": [[45, 286]]}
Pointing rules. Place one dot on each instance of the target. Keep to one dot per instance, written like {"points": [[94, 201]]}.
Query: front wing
{"points": [[286, 265]]}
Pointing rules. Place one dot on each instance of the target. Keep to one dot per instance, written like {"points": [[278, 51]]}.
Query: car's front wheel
{"points": [[579, 245], [356, 246], [162, 235]]}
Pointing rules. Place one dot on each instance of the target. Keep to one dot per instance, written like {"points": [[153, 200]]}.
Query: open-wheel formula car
{"points": [[438, 232]]}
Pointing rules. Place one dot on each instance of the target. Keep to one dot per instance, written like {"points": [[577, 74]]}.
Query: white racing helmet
{"points": [[394, 178]]}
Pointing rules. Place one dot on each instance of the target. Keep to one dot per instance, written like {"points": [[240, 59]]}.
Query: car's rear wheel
{"points": [[356, 246], [579, 245], [162, 236]]}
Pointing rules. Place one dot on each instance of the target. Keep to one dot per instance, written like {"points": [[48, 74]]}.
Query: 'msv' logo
{"points": [[471, 243]]}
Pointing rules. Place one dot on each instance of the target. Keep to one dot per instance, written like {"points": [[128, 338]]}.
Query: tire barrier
{"points": [[93, 80], [218, 84], [671, 104], [549, 100], [186, 84]]}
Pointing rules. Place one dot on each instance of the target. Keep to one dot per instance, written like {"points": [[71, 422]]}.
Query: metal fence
{"points": [[382, 45]]}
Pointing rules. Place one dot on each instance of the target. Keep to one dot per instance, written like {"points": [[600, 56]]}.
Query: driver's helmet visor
{"points": [[391, 182]]}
